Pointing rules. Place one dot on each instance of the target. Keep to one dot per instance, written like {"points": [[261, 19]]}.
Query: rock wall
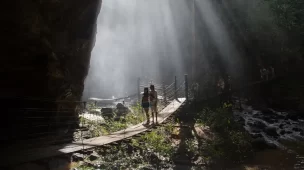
{"points": [[46, 55]]}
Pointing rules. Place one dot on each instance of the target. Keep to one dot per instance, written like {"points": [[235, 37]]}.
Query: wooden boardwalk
{"points": [[20, 156]]}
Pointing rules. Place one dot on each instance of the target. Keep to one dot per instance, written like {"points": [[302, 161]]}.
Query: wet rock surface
{"points": [[268, 126], [271, 131]]}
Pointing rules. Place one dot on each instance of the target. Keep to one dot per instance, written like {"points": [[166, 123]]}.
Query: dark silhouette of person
{"points": [[153, 100], [145, 104]]}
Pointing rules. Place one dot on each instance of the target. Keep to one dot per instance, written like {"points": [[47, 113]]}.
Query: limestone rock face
{"points": [[45, 59]]}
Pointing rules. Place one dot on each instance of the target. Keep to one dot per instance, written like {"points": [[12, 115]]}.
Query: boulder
{"points": [[257, 125], [120, 106], [121, 110], [271, 131], [282, 132], [269, 119], [241, 120], [255, 130], [296, 129], [93, 156], [256, 136], [107, 112]]}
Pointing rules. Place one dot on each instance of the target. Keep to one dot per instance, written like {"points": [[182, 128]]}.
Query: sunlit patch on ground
{"points": [[252, 168]]}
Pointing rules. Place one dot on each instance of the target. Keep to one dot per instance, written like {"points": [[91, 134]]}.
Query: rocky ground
{"points": [[271, 125]]}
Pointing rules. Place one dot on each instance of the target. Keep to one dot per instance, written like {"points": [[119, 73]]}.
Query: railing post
{"points": [[186, 87], [175, 88], [138, 89], [164, 92]]}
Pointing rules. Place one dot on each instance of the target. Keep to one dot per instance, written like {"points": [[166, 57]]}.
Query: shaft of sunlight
{"points": [[135, 38], [220, 35]]}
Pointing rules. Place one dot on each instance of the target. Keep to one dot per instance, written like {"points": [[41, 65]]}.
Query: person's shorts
{"points": [[145, 105]]}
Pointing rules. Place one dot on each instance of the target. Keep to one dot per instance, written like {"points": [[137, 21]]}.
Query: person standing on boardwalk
{"points": [[153, 100], [145, 104]]}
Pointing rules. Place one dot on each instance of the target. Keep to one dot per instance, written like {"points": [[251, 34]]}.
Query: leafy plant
{"points": [[231, 140], [157, 142], [91, 106]]}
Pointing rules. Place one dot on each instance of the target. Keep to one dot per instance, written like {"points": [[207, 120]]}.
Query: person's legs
{"points": [[147, 115], [153, 114], [154, 110]]}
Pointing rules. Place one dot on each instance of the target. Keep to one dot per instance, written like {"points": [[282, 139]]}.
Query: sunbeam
{"points": [[135, 39], [220, 35]]}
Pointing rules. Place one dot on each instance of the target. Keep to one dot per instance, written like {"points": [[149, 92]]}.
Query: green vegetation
{"points": [[230, 141], [91, 106], [158, 149], [136, 115], [157, 141], [289, 14], [97, 128], [153, 148]]}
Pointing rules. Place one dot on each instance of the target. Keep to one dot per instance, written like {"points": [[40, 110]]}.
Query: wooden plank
{"points": [[21, 156]]}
